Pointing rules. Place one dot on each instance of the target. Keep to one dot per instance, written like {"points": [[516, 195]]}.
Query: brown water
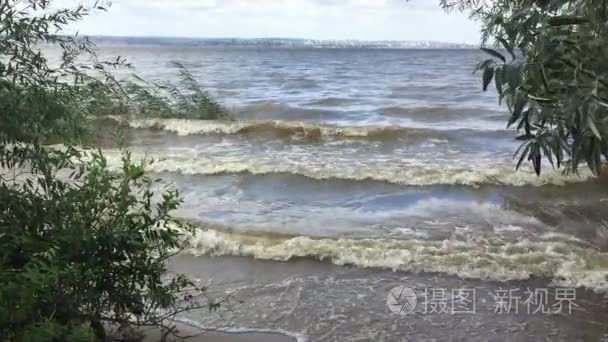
{"points": [[314, 301]]}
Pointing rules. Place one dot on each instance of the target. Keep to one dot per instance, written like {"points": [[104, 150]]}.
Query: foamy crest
{"points": [[185, 127], [567, 263], [296, 336], [189, 127], [406, 172]]}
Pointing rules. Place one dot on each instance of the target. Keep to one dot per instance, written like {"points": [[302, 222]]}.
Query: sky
{"points": [[313, 19]]}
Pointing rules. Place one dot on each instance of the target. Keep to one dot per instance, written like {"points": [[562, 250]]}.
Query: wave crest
{"points": [[561, 259], [279, 128], [406, 172]]}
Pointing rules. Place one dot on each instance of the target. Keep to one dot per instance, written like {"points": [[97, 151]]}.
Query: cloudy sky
{"points": [[315, 19]]}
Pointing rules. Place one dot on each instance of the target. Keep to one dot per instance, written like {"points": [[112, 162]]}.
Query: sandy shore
{"points": [[318, 301], [197, 335]]}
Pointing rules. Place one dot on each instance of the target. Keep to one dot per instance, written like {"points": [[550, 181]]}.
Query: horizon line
{"points": [[276, 37]]}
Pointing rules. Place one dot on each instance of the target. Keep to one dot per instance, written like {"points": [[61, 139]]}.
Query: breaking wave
{"points": [[279, 128], [566, 260], [406, 172]]}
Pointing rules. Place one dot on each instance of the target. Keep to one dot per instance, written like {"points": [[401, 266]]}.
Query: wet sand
{"points": [[197, 335], [316, 301]]}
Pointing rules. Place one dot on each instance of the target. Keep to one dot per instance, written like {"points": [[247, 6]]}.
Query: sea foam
{"points": [[562, 259], [408, 171]]}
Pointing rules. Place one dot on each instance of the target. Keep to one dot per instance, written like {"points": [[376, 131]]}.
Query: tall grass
{"points": [[136, 96]]}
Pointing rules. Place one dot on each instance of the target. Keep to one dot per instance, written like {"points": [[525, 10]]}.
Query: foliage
{"points": [[35, 105], [137, 96], [552, 73], [82, 247], [91, 251], [186, 99]]}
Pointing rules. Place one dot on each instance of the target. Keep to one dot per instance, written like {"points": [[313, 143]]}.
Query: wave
{"points": [[300, 83], [280, 111], [566, 260], [297, 337], [443, 112], [264, 107], [313, 131], [406, 172], [331, 102]]}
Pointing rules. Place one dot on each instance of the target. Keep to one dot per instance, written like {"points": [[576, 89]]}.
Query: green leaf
{"points": [[543, 75], [536, 158], [564, 20], [521, 100], [594, 129], [488, 74], [512, 75], [498, 83], [494, 53], [507, 46], [523, 155], [548, 154], [483, 65], [540, 99], [524, 137], [600, 102]]}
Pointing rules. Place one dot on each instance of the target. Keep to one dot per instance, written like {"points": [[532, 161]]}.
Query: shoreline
{"points": [[311, 300], [195, 334]]}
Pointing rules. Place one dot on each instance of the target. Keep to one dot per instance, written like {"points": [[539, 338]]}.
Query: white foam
{"points": [[189, 127], [565, 262], [405, 171], [357, 129], [507, 228], [297, 336], [409, 232]]}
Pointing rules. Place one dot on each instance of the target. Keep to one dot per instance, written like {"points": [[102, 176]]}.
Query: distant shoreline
{"points": [[279, 43]]}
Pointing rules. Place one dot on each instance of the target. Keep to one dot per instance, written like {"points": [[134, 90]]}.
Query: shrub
{"points": [[82, 248], [552, 73]]}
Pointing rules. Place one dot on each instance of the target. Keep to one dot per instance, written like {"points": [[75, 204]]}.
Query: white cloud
{"points": [[319, 19]]}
